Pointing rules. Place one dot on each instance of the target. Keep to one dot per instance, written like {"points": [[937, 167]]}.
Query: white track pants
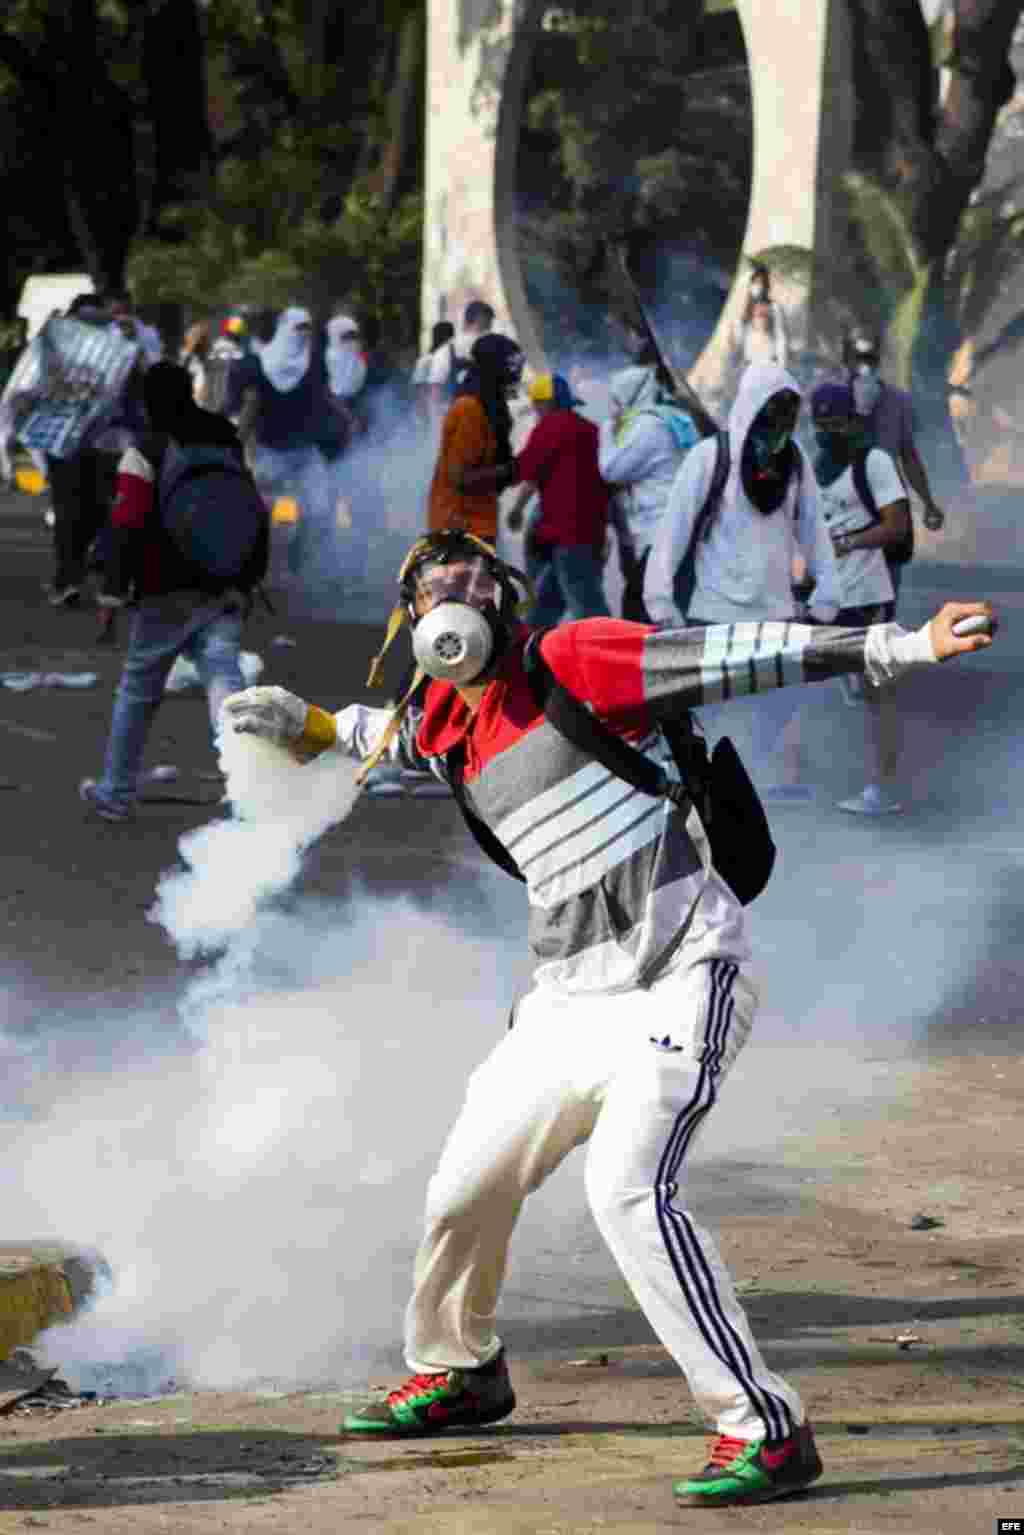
{"points": [[635, 1075]]}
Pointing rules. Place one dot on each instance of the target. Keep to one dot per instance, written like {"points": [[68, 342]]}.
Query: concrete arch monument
{"points": [[478, 55]]}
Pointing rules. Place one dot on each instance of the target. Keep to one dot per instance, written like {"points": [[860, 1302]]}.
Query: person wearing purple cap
{"points": [[888, 415], [865, 507]]}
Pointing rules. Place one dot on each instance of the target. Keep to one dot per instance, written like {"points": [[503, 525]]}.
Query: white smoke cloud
{"points": [[256, 1190], [255, 1177]]}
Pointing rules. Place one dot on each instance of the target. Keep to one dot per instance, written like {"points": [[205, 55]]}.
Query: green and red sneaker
{"points": [[752, 1471], [426, 1404]]}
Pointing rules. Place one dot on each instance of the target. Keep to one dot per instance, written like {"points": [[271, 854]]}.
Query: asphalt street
{"points": [[876, 941]]}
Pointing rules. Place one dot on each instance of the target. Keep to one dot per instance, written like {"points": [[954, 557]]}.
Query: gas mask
{"points": [[837, 444], [461, 603], [867, 387], [456, 610], [773, 427], [768, 444]]}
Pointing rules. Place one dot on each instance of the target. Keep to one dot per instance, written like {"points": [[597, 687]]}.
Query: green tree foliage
{"points": [[275, 153], [98, 137], [927, 254], [637, 133]]}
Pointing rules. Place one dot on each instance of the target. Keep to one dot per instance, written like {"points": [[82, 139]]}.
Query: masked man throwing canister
{"points": [[641, 1002]]}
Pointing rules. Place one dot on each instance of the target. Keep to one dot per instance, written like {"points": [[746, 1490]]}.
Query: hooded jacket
{"points": [[639, 456], [742, 568]]}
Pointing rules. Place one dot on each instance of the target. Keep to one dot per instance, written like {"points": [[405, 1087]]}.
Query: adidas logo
{"points": [[665, 1044]]}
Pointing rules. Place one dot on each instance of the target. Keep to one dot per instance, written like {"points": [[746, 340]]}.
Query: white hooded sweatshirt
{"points": [[743, 567], [286, 357], [346, 363], [637, 456]]}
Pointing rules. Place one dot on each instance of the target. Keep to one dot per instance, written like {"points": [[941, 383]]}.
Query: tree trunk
{"points": [[402, 101], [930, 158], [176, 102], [981, 82], [101, 198], [98, 121], [316, 47]]}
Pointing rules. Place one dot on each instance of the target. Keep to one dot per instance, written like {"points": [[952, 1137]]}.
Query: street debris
{"points": [[24, 682], [903, 1340], [283, 642], [926, 1222], [594, 1362], [53, 1397], [164, 772], [183, 674], [27, 1387]]}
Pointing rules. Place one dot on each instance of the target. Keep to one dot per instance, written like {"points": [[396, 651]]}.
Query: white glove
{"points": [[271, 713]]}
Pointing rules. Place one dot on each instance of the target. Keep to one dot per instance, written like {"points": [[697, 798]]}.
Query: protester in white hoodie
{"points": [[768, 513], [641, 445], [276, 396]]}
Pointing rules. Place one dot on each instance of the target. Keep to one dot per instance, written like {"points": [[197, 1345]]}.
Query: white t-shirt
{"points": [[441, 364], [863, 573]]}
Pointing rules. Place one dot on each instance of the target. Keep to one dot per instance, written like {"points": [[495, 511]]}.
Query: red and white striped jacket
{"points": [[620, 885]]}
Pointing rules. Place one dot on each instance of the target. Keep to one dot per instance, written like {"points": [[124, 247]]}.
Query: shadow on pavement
{"points": [[122, 1469]]}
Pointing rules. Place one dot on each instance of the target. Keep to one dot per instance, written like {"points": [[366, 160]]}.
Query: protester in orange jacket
{"points": [[475, 435]]}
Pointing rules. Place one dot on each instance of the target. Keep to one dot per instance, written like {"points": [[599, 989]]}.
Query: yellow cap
{"points": [[552, 388]]}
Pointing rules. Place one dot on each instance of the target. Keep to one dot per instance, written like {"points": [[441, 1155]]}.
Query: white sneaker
{"points": [[872, 801]]}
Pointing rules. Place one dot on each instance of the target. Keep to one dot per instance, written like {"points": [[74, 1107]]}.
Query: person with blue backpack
{"points": [[189, 543], [641, 446]]}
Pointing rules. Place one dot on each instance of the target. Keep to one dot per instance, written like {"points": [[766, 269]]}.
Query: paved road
{"points": [[874, 940]]}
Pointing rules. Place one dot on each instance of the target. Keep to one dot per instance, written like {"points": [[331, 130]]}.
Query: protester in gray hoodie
{"points": [[641, 445]]}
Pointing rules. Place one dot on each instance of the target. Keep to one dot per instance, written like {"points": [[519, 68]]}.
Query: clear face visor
{"points": [[466, 580]]}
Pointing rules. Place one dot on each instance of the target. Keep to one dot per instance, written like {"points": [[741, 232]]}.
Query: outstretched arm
{"points": [[632, 674]]}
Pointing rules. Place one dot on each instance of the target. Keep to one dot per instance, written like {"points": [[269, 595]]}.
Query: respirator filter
{"points": [[453, 642]]}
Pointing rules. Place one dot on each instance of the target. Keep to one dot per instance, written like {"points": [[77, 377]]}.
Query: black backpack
{"points": [[718, 786], [686, 574], [897, 554], [213, 513]]}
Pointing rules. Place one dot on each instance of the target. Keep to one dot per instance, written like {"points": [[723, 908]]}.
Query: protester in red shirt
{"points": [[565, 541]]}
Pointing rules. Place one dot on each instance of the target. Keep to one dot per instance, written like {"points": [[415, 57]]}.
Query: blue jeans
{"points": [[301, 472], [182, 623], [569, 583]]}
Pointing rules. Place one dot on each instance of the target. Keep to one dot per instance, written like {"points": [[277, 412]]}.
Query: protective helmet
{"points": [[460, 601]]}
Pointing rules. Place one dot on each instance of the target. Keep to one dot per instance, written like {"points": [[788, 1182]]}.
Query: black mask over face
{"points": [[769, 457]]}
